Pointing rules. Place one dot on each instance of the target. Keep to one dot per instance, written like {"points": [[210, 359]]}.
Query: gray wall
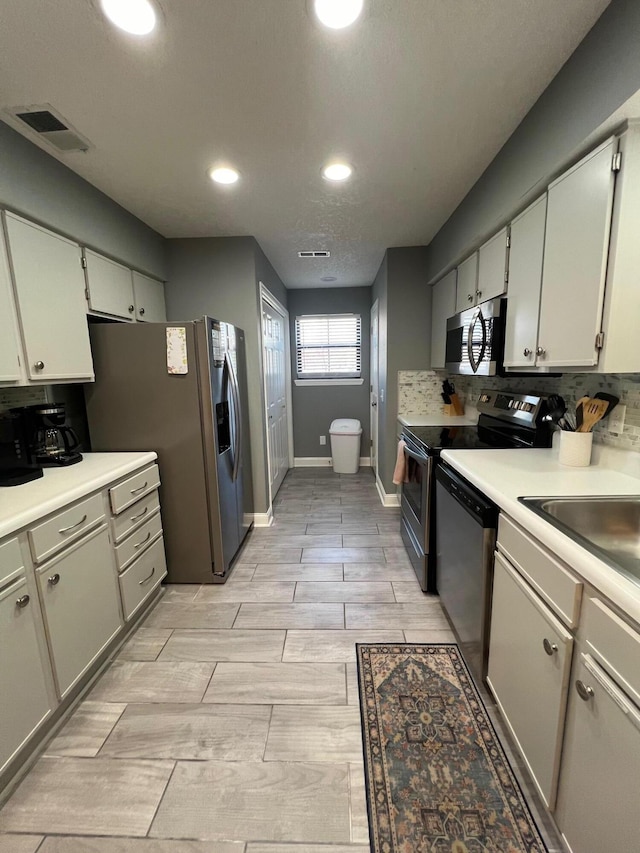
{"points": [[41, 188], [602, 73], [266, 274], [404, 310], [218, 276], [314, 407]]}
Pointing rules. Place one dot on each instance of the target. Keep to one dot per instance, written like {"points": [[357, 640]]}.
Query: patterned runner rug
{"points": [[438, 780]]}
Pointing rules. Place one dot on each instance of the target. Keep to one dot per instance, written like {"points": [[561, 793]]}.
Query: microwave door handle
{"points": [[237, 427], [477, 317]]}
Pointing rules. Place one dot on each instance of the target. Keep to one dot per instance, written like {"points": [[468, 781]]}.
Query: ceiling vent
{"points": [[47, 124], [321, 254]]}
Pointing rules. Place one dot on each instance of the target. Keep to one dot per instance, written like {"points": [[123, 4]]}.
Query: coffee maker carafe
{"points": [[51, 441]]}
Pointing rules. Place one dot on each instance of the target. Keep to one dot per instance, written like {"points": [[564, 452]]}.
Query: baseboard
{"points": [[386, 499], [263, 519], [324, 462]]}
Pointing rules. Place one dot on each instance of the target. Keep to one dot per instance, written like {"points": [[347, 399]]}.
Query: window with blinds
{"points": [[328, 346]]}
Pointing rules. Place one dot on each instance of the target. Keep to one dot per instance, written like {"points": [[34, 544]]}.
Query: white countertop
{"points": [[22, 505], [505, 475], [470, 418]]}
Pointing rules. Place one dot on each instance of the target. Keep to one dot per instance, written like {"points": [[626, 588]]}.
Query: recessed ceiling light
{"points": [[329, 278], [133, 16], [338, 14], [224, 175], [337, 171]]}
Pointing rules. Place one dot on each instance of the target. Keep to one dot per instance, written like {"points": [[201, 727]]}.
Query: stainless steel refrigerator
{"points": [[181, 389]]}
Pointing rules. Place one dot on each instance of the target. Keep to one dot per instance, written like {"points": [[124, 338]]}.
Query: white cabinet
{"points": [[443, 306], [49, 284], [10, 371], [467, 283], [525, 284], [529, 663], [109, 287], [493, 267], [578, 226], [149, 299], [25, 703], [79, 594]]}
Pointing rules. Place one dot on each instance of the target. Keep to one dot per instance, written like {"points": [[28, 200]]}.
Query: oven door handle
{"points": [[475, 363], [419, 457]]}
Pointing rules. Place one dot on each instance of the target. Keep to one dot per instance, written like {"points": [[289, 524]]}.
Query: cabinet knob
{"points": [[54, 580], [132, 308], [479, 293], [526, 352], [23, 601], [584, 691], [141, 312], [540, 351], [39, 365], [549, 647], [469, 297]]}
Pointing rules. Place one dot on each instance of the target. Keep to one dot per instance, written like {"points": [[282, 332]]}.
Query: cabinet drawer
{"points": [[139, 540], [11, 562], [614, 644], [65, 527], [558, 587], [142, 577], [137, 514], [133, 488]]}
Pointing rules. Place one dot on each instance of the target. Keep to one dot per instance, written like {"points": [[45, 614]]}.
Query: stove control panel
{"points": [[522, 408]]}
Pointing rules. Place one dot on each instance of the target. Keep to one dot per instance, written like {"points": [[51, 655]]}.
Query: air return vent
{"points": [[320, 254], [48, 125]]}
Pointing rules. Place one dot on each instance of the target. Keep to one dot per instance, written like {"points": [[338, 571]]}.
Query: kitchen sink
{"points": [[609, 527]]}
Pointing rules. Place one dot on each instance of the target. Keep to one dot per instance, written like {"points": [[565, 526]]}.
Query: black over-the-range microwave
{"points": [[475, 339]]}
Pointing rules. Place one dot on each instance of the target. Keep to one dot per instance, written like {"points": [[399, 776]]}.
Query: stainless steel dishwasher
{"points": [[466, 522]]}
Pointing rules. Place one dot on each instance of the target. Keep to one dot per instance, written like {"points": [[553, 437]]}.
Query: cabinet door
{"points": [[600, 772], [110, 287], [149, 298], [80, 596], [492, 267], [51, 302], [443, 306], [525, 284], [25, 702], [467, 283], [575, 261], [9, 347], [529, 664]]}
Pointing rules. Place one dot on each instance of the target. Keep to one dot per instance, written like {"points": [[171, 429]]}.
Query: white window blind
{"points": [[328, 346]]}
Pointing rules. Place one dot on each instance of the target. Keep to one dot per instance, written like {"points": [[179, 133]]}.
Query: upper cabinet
{"points": [[149, 299], [443, 306], [467, 284], [10, 366], [50, 294], [493, 267], [109, 287]]}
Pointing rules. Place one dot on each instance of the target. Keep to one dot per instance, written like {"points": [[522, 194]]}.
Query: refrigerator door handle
{"points": [[237, 431]]}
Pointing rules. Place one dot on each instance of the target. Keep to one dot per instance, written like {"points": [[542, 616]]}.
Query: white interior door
{"points": [[374, 388], [275, 385]]}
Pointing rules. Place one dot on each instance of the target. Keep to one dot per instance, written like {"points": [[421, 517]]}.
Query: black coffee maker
{"points": [[16, 467], [52, 442]]}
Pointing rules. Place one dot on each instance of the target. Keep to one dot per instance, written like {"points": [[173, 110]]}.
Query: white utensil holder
{"points": [[575, 448]]}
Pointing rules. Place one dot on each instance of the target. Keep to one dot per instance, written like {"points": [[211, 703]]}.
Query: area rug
{"points": [[437, 778]]}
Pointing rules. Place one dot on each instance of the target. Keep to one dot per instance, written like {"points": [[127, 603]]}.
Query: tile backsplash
{"points": [[419, 394], [13, 397]]}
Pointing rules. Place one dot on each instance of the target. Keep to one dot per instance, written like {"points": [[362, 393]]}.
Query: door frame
{"points": [[373, 410], [267, 298]]}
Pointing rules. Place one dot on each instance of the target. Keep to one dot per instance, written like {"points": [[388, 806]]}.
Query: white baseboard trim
{"points": [[263, 519], [324, 462], [385, 497]]}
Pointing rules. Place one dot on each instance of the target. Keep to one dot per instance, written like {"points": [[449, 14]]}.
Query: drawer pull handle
{"points": [[584, 691], [73, 526], [54, 580], [140, 514], [23, 601], [140, 488], [146, 539], [147, 579], [550, 648]]}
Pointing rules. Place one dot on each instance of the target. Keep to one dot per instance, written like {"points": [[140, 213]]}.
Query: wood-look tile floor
{"points": [[229, 721]]}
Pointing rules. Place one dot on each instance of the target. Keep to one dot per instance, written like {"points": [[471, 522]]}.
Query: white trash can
{"points": [[345, 445]]}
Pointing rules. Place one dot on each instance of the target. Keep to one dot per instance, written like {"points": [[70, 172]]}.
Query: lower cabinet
{"points": [[23, 674], [79, 595], [529, 665]]}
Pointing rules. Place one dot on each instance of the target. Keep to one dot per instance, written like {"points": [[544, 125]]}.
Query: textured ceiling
{"points": [[419, 95]]}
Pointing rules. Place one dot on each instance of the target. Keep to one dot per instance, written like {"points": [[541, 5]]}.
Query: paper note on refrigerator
{"points": [[177, 362]]}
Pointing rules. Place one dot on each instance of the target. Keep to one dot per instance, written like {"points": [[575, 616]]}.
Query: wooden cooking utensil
{"points": [[580, 412], [592, 411]]}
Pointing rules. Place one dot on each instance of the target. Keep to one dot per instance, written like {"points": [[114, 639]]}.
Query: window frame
{"points": [[328, 378]]}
